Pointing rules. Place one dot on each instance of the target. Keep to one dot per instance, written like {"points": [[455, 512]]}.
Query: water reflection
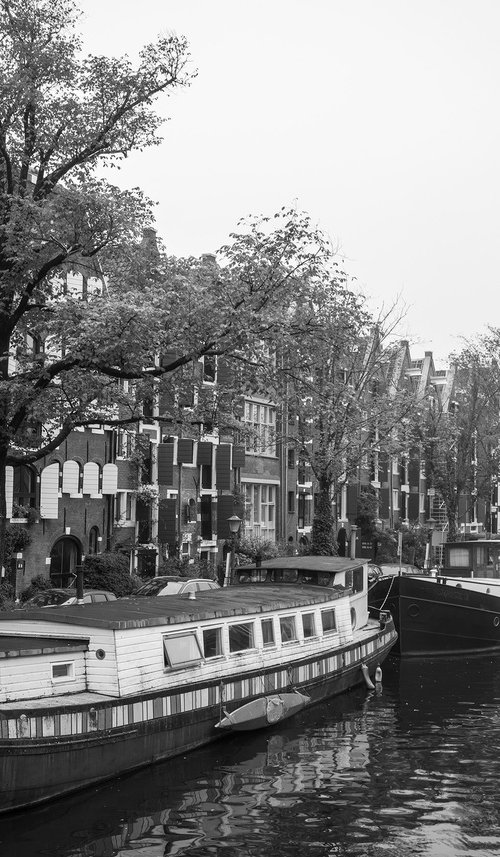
{"points": [[411, 769]]}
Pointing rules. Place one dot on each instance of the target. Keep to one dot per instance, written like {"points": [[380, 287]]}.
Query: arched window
{"points": [[94, 540], [24, 490]]}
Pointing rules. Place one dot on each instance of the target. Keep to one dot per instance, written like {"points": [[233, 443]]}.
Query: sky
{"points": [[379, 118]]}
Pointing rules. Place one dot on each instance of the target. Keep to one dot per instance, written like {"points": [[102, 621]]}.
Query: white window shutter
{"points": [[9, 489], [91, 479], [71, 477], [109, 479], [49, 492]]}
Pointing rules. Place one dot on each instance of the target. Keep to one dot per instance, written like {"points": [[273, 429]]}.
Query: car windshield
{"points": [[167, 587], [48, 598]]}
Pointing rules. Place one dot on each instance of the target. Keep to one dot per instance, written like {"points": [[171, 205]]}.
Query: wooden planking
{"points": [[31, 677]]}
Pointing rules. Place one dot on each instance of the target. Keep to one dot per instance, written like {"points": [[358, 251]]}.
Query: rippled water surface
{"points": [[410, 769]]}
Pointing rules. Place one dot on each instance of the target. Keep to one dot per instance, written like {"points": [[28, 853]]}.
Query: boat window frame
{"points": [[189, 662], [269, 621], [282, 619], [231, 628], [69, 676], [325, 612], [312, 614], [213, 628]]}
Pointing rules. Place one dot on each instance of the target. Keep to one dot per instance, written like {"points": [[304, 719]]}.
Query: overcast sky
{"points": [[380, 118]]}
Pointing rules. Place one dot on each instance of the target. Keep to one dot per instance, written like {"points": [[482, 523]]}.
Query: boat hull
{"points": [[434, 618], [89, 744]]}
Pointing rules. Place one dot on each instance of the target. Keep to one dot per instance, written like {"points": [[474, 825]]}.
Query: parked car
{"points": [[64, 597], [175, 585]]}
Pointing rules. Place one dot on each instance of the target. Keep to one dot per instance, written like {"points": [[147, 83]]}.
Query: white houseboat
{"points": [[90, 692]]}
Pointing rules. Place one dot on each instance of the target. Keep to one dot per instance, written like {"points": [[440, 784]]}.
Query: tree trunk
{"points": [[323, 533]]}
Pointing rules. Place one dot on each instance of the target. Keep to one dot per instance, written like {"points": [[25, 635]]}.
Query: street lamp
{"points": [[234, 526]]}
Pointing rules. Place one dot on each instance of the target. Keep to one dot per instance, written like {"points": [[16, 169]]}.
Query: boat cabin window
{"points": [[328, 622], [63, 672], [354, 579], [180, 650], [308, 625], [212, 642], [288, 629], [267, 626], [459, 558], [258, 575], [241, 637]]}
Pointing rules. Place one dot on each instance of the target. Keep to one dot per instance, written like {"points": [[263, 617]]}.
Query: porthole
{"points": [[496, 621], [100, 654], [413, 611]]}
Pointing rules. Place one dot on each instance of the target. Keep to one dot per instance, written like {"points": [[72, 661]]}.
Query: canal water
{"points": [[410, 768]]}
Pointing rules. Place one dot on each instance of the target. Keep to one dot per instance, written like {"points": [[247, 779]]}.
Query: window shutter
{"points": [[49, 492], [225, 509], [223, 467], [205, 451], [109, 479], [166, 464], [184, 451], [238, 456], [9, 489], [91, 479], [352, 501], [71, 477]]}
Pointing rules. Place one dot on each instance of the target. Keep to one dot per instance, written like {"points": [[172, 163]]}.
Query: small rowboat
{"points": [[264, 711]]}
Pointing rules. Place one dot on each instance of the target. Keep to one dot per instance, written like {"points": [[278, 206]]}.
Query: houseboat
{"points": [[89, 692], [455, 611]]}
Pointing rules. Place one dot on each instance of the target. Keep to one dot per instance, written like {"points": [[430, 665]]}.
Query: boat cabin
{"points": [[323, 571], [472, 558]]}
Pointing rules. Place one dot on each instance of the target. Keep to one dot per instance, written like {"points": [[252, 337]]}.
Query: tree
{"points": [[460, 439], [66, 354], [341, 392]]}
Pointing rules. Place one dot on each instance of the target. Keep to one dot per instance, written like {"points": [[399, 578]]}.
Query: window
{"points": [[267, 632], [180, 650], [421, 503], [260, 421], [93, 540], [63, 672], [291, 457], [291, 501], [241, 637], [357, 580], [209, 369], [308, 625], [24, 489], [459, 558], [212, 642], [124, 444], [395, 499], [260, 508], [328, 622], [288, 629], [304, 510]]}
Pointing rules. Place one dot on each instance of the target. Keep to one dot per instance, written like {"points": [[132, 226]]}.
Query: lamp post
{"points": [[234, 526]]}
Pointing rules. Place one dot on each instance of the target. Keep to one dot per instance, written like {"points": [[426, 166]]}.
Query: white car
{"points": [[175, 585]]}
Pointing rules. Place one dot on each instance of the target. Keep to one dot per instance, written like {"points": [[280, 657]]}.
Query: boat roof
{"points": [[144, 612], [307, 563]]}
